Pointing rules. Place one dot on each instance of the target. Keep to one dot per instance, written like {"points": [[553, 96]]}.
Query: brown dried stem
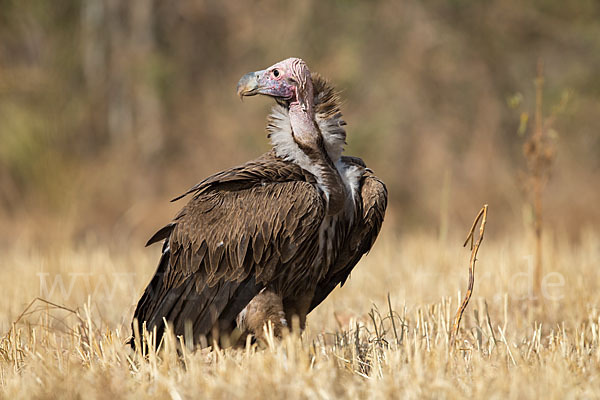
{"points": [[474, 249], [539, 157]]}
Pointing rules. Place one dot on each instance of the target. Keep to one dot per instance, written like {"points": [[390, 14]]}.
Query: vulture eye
{"points": [[275, 73]]}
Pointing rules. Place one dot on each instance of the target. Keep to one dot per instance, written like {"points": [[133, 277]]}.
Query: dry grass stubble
{"points": [[509, 346]]}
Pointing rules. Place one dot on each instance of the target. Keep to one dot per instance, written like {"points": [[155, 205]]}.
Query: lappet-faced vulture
{"points": [[272, 238]]}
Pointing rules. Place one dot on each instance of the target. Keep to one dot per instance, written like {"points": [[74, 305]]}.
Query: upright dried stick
{"points": [[474, 249]]}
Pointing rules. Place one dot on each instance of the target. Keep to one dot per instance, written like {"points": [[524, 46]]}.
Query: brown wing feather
{"points": [[267, 167], [229, 242], [371, 211]]}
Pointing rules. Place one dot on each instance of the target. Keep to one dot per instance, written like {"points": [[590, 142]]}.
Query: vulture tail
{"points": [[146, 307]]}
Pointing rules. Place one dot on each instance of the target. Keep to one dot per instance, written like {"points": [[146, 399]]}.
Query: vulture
{"points": [[269, 240]]}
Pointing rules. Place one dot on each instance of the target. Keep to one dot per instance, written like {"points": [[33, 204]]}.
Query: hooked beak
{"points": [[249, 84]]}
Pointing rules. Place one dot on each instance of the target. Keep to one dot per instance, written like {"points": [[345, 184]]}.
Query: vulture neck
{"points": [[309, 139]]}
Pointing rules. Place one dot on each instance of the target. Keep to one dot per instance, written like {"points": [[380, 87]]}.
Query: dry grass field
{"points": [[509, 345]]}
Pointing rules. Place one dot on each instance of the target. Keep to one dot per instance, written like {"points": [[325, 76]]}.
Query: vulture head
{"points": [[288, 81], [294, 87]]}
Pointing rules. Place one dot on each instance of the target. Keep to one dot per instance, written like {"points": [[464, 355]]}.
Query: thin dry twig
{"points": [[27, 311], [392, 318], [489, 322], [474, 249]]}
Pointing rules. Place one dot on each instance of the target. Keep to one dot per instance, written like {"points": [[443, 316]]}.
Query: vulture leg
{"points": [[264, 307], [298, 306]]}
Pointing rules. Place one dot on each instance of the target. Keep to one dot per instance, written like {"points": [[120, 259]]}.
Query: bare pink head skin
{"points": [[289, 82]]}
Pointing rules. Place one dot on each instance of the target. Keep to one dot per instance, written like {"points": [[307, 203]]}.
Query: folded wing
{"points": [[244, 229]]}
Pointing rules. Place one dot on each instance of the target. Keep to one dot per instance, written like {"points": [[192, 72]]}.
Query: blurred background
{"points": [[108, 109]]}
